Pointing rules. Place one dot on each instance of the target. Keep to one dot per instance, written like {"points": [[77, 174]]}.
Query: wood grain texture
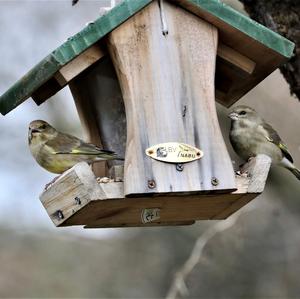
{"points": [[167, 84], [238, 60], [87, 117], [104, 204], [79, 64], [72, 191], [249, 38], [177, 223], [256, 171], [99, 102]]}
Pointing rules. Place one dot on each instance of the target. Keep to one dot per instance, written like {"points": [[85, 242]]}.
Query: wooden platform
{"points": [[77, 198]]}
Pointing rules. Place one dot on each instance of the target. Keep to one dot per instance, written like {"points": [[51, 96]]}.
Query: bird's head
{"points": [[244, 115], [40, 131]]}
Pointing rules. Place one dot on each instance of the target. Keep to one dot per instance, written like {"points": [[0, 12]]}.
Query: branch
{"points": [[179, 288]]}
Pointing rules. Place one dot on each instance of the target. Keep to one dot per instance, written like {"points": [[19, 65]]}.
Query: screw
{"points": [[60, 214], [198, 154], [150, 152], [151, 184], [179, 167], [77, 200], [214, 181], [184, 111]]}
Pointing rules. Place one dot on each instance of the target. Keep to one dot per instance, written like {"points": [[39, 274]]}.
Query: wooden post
{"points": [[168, 87]]}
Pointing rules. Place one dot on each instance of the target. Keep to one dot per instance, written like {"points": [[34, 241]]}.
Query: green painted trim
{"points": [[242, 23], [75, 45]]}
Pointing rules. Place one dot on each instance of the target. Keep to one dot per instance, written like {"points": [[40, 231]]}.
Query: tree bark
{"points": [[283, 17]]}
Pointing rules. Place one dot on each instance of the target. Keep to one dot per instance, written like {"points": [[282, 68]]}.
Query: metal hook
{"points": [[163, 18]]}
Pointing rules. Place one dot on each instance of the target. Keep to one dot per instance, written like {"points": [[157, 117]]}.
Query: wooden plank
{"points": [[235, 206], [96, 52], [172, 209], [68, 72], [87, 118], [72, 191], [167, 84], [240, 61], [95, 225], [104, 204], [99, 102], [79, 64], [47, 90], [246, 37], [256, 171]]}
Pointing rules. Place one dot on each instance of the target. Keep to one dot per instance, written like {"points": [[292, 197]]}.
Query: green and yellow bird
{"points": [[57, 152], [250, 135]]}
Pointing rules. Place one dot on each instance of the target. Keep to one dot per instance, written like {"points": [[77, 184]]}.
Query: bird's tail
{"points": [[295, 172], [109, 155], [291, 167]]}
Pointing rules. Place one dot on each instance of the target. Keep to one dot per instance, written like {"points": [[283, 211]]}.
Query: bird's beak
{"points": [[34, 131], [233, 115]]}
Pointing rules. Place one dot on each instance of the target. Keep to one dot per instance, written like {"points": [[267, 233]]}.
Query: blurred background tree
{"points": [[282, 16], [257, 257]]}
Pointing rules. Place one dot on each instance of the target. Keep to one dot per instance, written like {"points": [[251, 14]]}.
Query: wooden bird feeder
{"points": [[145, 77]]}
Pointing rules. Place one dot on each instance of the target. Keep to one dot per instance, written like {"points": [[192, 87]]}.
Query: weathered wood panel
{"points": [[72, 191], [235, 58], [77, 199], [168, 89], [79, 64], [101, 109], [87, 116]]}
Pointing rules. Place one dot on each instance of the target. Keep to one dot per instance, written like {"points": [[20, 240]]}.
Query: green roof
{"points": [[213, 11]]}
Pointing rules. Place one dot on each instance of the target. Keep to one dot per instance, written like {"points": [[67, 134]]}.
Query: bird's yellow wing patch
{"points": [[78, 152]]}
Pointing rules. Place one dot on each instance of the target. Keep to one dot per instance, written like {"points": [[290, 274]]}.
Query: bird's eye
{"points": [[43, 127], [243, 112]]}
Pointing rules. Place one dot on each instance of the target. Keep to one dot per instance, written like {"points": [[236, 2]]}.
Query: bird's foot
{"points": [[47, 186], [240, 173]]}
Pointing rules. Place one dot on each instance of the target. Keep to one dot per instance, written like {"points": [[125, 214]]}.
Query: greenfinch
{"points": [[250, 135], [57, 152]]}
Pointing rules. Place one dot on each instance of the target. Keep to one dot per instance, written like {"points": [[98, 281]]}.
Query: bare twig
{"points": [[179, 285]]}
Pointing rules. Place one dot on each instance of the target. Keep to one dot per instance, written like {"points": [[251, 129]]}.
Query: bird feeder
{"points": [[145, 78]]}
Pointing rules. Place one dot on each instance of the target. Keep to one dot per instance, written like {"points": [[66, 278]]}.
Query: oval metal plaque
{"points": [[174, 152]]}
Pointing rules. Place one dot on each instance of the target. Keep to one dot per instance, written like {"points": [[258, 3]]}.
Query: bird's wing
{"points": [[273, 137], [67, 144]]}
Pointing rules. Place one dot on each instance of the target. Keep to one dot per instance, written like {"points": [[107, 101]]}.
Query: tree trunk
{"points": [[282, 16]]}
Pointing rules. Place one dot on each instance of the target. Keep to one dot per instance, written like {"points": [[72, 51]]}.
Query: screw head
{"points": [[77, 200], [151, 184], [214, 181], [60, 214], [150, 152], [179, 167]]}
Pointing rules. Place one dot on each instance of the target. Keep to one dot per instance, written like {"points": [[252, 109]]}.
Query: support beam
{"points": [[79, 64]]}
